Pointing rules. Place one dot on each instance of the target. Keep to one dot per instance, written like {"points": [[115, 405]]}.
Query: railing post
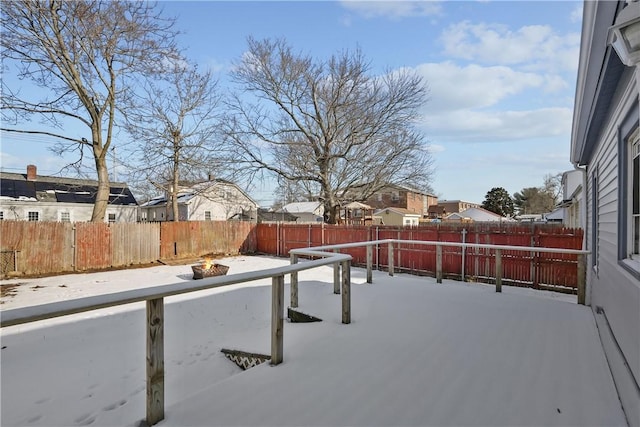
{"points": [[438, 263], [294, 282], [390, 262], [277, 316], [155, 361], [336, 275], [346, 292], [369, 264], [582, 278], [498, 270]]}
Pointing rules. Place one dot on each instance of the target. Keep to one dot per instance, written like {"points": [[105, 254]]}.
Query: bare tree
{"points": [[82, 55], [329, 126], [174, 122]]}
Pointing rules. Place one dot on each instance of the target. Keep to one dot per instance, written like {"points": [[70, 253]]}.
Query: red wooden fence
{"points": [[519, 268]]}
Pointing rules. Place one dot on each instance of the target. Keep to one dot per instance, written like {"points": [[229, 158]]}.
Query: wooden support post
{"points": [[294, 282], [439, 263], [277, 319], [155, 361], [336, 275], [369, 264], [346, 292], [582, 279], [498, 270], [390, 259]]}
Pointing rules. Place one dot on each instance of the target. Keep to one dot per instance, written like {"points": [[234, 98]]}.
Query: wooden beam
{"points": [[346, 292], [336, 275], [294, 282], [439, 263], [390, 259], [498, 270], [582, 279], [277, 319], [155, 361], [369, 264]]}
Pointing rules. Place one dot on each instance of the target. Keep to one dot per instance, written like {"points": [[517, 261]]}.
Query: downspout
{"points": [[583, 222]]}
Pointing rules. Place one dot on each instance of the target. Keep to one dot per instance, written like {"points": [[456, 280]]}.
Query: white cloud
{"points": [[436, 148], [393, 9], [494, 126], [576, 14], [453, 87], [534, 46]]}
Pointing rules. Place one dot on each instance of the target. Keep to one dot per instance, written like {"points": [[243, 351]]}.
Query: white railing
{"points": [[154, 297], [295, 253]]}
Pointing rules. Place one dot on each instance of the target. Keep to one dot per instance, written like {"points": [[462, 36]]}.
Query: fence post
{"points": [[498, 270], [582, 278], [277, 316], [390, 262], [438, 263], [336, 275], [346, 292], [294, 283], [369, 264], [155, 361]]}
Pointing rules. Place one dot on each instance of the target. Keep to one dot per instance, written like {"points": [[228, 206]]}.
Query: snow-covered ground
{"points": [[416, 353]]}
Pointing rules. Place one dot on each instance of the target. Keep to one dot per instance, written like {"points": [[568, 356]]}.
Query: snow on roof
{"points": [[480, 215], [302, 207]]}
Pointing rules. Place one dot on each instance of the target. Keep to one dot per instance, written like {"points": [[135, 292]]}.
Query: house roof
{"points": [[186, 194], [401, 211], [480, 214], [599, 72], [301, 207], [357, 205], [15, 186]]}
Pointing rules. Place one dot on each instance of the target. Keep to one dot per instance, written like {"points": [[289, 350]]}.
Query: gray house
{"points": [[605, 146], [33, 197]]}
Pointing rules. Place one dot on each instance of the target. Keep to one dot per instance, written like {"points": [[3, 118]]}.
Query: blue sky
{"points": [[501, 76]]}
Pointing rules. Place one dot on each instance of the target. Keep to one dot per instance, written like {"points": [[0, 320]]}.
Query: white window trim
{"points": [[633, 146], [38, 211], [60, 213]]}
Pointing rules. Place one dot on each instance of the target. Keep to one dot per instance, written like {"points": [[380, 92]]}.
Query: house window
{"points": [[1, 215], [65, 217], [379, 197], [112, 218], [33, 216], [207, 215], [395, 196]]}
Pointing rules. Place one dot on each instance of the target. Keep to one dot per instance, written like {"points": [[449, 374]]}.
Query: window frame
{"points": [[110, 215], [61, 215], [628, 137], [29, 216], [207, 215]]}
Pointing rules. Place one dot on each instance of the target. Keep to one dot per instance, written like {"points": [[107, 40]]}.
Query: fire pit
{"points": [[208, 269]]}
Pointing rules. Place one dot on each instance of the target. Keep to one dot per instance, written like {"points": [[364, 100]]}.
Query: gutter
{"points": [[583, 221]]}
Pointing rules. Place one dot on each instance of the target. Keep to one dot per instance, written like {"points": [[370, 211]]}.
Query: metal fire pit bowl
{"points": [[199, 272]]}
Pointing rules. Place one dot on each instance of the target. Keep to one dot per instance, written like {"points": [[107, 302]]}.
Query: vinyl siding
{"points": [[611, 286]]}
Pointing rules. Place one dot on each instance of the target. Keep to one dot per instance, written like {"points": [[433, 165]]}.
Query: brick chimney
{"points": [[32, 171]]}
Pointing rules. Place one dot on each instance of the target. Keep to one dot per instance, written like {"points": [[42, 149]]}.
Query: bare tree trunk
{"points": [[102, 196], [174, 185]]}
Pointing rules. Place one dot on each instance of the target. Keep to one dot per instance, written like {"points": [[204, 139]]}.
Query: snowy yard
{"points": [[417, 353]]}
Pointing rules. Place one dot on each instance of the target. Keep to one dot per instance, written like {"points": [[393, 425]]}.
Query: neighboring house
{"points": [[214, 200], [451, 206], [396, 196], [398, 216], [476, 215], [267, 215], [437, 212], [33, 197], [305, 211], [605, 142], [572, 197]]}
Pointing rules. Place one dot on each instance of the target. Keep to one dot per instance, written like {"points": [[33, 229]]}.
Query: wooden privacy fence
{"points": [[527, 268], [34, 248]]}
